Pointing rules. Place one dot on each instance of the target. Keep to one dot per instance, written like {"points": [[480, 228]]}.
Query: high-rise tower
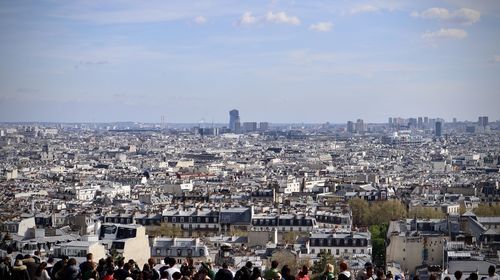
{"points": [[234, 120]]}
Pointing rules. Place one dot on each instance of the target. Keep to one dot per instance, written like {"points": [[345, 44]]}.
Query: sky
{"points": [[277, 61]]}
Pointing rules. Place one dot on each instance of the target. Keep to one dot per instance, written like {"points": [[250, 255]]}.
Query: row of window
{"points": [[191, 219], [282, 222], [337, 251], [338, 242], [179, 252]]}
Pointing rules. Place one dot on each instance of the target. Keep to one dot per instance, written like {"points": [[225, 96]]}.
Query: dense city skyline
{"points": [[276, 61]]}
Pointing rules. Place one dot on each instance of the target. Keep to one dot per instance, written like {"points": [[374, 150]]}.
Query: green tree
{"points": [[165, 230], [320, 265], [359, 208], [485, 210], [426, 213]]}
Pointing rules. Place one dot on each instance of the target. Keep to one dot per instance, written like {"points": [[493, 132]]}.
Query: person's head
{"points": [[9, 250], [146, 267], [120, 263], [164, 274], [190, 261], [274, 264], [110, 271], [19, 257], [131, 262], [102, 262], [151, 262], [176, 275], [256, 271], [491, 270], [225, 266], [304, 270], [285, 270], [37, 253], [72, 261], [171, 262], [65, 258], [27, 256], [473, 276], [369, 269], [109, 261], [40, 268], [278, 276], [90, 257], [380, 275], [343, 266], [249, 264], [329, 268], [126, 267], [389, 275], [50, 260], [447, 278], [458, 274]]}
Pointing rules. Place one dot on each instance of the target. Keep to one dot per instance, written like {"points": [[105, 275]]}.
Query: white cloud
{"points": [[445, 33], [366, 8], [248, 19], [281, 17], [321, 26], [463, 15], [496, 58], [200, 20]]}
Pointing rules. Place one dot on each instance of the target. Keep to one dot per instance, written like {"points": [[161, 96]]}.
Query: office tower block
{"points": [[234, 120], [439, 129]]}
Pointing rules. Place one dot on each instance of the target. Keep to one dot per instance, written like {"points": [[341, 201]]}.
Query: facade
{"points": [[128, 241], [340, 244], [179, 249]]}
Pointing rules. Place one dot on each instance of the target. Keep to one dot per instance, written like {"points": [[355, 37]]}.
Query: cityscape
{"points": [[272, 140]]}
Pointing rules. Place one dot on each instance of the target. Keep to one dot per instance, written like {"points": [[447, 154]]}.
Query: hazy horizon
{"points": [[275, 61]]}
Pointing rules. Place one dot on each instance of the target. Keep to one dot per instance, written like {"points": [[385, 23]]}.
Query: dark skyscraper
{"points": [[234, 120], [439, 129]]}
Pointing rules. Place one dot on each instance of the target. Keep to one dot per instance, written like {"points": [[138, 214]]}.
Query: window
{"points": [[179, 252], [190, 219], [362, 251], [182, 219], [173, 220], [354, 251], [337, 252]]}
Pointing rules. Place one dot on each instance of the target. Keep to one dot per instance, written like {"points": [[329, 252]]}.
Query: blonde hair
{"points": [[329, 268]]}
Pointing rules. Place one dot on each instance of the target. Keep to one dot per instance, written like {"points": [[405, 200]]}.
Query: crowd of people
{"points": [[31, 267]]}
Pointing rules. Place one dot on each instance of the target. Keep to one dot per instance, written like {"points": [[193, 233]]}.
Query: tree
{"points": [[320, 265], [359, 208], [289, 237], [166, 230], [379, 233], [426, 213], [485, 210]]}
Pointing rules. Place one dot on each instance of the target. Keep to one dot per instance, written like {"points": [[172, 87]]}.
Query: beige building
{"points": [[128, 241], [413, 243]]}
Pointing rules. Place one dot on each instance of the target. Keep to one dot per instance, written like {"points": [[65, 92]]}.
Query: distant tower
{"points": [[350, 127], [439, 129], [234, 120]]}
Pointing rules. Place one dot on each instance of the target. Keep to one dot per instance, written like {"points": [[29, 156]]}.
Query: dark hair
{"points": [[473, 276], [176, 275], [171, 262], [249, 264], [126, 266], [50, 260], [89, 256], [64, 257], [256, 273], [285, 270], [110, 271], [458, 274], [491, 270], [72, 261], [19, 257], [164, 274], [447, 278], [274, 264], [40, 268], [224, 265], [146, 267]]}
